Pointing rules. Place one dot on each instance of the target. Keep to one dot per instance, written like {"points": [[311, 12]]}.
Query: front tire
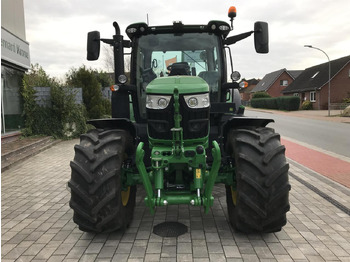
{"points": [[99, 201], [258, 200]]}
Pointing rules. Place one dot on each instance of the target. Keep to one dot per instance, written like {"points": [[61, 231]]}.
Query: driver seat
{"points": [[181, 68]]}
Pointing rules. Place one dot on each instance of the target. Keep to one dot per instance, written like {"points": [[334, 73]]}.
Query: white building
{"points": [[15, 60]]}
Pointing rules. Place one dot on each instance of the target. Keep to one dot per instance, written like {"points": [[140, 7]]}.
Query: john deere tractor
{"points": [[178, 128]]}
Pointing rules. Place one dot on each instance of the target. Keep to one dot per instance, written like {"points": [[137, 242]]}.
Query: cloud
{"points": [[56, 30]]}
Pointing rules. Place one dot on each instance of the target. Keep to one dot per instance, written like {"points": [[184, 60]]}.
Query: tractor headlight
{"points": [[157, 101], [197, 101], [122, 79]]}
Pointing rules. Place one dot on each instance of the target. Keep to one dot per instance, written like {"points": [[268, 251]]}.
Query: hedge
{"points": [[288, 103], [261, 95]]}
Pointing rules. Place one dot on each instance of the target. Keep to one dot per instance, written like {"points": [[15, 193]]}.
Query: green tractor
{"points": [[178, 128]]}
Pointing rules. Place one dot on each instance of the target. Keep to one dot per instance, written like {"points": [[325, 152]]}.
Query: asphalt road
{"points": [[330, 136]]}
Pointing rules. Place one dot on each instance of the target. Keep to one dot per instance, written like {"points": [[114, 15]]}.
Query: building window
{"points": [[296, 94], [313, 96], [283, 82]]}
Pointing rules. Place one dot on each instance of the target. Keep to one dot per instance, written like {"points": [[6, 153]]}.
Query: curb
{"points": [[14, 157], [311, 114]]}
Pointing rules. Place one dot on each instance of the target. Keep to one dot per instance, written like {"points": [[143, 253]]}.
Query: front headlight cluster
{"points": [[157, 101], [197, 101], [192, 101]]}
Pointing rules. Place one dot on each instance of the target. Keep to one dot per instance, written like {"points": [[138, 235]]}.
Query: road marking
{"points": [[328, 165]]}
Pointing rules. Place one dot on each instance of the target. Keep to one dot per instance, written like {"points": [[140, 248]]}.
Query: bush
{"points": [[91, 81], [261, 95], [62, 119], [307, 105]]}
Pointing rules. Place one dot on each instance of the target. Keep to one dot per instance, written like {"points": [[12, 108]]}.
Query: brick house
{"points": [[245, 92], [312, 83], [275, 82]]}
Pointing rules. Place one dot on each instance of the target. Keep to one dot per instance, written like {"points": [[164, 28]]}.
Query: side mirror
{"points": [[93, 45], [261, 37]]}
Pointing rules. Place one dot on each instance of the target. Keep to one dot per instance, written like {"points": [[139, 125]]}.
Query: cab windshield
{"points": [[164, 55]]}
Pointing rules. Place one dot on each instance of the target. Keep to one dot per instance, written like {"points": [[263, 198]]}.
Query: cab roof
{"points": [[214, 26]]}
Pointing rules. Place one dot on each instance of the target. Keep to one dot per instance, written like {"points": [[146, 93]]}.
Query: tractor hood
{"points": [[184, 85]]}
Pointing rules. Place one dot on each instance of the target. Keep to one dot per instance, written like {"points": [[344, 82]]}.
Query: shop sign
{"points": [[14, 49]]}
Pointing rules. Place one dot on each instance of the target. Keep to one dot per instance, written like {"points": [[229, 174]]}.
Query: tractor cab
{"points": [[178, 50]]}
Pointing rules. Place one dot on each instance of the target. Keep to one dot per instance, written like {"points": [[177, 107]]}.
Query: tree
{"points": [[91, 81], [63, 118], [109, 60]]}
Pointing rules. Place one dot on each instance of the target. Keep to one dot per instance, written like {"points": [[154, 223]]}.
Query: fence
{"points": [[43, 95], [339, 106]]}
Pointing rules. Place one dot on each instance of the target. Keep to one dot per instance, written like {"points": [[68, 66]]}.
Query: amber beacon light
{"points": [[232, 12]]}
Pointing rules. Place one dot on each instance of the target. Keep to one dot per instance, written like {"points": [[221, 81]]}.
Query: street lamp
{"points": [[329, 76]]}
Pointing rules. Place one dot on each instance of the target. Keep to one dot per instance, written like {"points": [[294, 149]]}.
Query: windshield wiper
{"points": [[194, 60]]}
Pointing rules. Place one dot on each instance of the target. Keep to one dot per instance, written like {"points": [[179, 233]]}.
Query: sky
{"points": [[57, 30]]}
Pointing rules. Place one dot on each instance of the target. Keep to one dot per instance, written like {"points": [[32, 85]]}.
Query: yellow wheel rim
{"points": [[234, 196], [125, 196]]}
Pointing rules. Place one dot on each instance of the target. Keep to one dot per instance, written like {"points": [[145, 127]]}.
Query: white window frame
{"points": [[313, 96], [296, 94], [283, 82]]}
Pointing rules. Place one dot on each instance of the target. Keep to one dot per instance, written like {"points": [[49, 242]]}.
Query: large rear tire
{"points": [[260, 200], [97, 196]]}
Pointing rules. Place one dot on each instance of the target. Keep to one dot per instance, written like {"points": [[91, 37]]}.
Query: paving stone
{"points": [[45, 253], [200, 259], [34, 249], [120, 257], [232, 251], [154, 247], [15, 253], [63, 249], [168, 251], [56, 258], [217, 257], [107, 252], [184, 248], [215, 247], [124, 248], [23, 259], [152, 257], [37, 223], [184, 257], [76, 252], [137, 252], [200, 251]]}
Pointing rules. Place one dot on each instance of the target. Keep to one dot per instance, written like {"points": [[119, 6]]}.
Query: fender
{"points": [[237, 122], [114, 123]]}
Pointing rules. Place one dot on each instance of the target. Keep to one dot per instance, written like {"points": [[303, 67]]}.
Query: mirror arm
{"points": [[126, 43], [107, 41], [227, 86], [234, 39]]}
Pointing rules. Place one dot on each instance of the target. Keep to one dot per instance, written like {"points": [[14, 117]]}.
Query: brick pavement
{"points": [[330, 166], [37, 223]]}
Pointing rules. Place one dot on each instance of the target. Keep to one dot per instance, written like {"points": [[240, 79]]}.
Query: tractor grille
{"points": [[195, 122], [160, 121]]}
